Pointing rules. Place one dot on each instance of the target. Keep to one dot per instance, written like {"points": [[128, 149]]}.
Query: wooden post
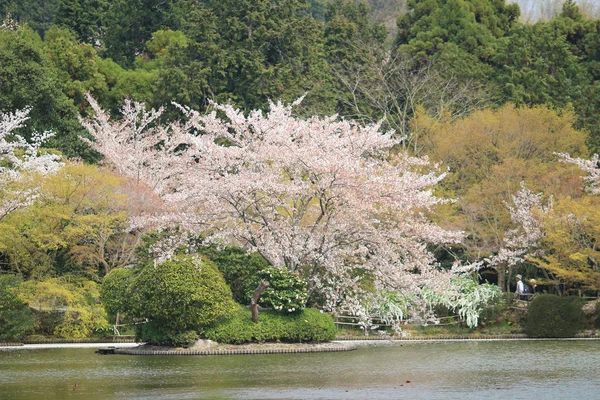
{"points": [[254, 301]]}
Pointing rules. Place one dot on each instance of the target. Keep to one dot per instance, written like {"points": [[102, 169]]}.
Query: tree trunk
{"points": [[254, 301], [501, 278]]}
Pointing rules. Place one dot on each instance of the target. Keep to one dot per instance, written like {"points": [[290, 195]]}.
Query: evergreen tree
{"points": [[355, 50], [83, 17], [129, 25], [37, 14]]}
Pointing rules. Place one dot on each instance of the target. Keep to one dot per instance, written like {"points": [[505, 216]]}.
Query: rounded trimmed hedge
{"points": [[310, 325], [551, 316], [182, 294]]}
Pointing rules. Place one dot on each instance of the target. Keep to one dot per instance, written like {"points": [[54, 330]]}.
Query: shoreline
{"points": [[66, 346], [339, 344]]}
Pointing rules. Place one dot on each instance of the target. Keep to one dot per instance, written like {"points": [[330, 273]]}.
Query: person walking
{"points": [[520, 292], [535, 289]]}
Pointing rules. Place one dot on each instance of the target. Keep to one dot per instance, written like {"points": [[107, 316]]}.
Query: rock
{"points": [[590, 307], [204, 344]]}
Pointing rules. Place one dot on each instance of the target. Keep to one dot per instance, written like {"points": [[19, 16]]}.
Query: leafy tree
{"points": [[239, 268], [78, 225], [535, 65], [571, 233], [582, 35], [37, 14], [462, 33], [472, 25], [75, 302], [115, 291], [318, 8], [185, 69], [262, 50], [489, 154], [129, 25], [16, 319], [76, 65], [82, 17], [121, 83], [28, 78]]}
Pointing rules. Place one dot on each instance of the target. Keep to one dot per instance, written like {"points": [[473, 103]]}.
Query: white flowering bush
{"points": [[469, 299], [287, 291]]}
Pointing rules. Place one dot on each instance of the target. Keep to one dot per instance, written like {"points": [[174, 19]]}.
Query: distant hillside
{"points": [[387, 11], [544, 10]]}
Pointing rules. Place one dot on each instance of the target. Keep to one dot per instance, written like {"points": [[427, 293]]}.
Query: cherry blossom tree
{"points": [[527, 211], [591, 167], [332, 200], [20, 159]]}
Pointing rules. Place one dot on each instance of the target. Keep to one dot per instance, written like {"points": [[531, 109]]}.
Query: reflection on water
{"points": [[441, 370]]}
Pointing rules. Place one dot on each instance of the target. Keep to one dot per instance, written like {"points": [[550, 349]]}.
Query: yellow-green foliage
{"points": [[572, 234], [489, 153], [77, 303], [81, 214]]}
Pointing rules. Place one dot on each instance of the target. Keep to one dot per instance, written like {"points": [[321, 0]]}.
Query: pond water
{"points": [[413, 370]]}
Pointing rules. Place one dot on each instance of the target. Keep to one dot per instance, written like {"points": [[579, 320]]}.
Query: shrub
{"points": [[551, 316], [115, 290], [597, 316], [65, 308], [158, 334], [239, 268], [309, 325], [16, 319], [287, 292], [183, 294]]}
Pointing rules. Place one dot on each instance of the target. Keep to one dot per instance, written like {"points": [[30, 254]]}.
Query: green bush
{"points": [[184, 294], [115, 290], [597, 316], [309, 325], [158, 334], [16, 319], [551, 316], [239, 268], [287, 292]]}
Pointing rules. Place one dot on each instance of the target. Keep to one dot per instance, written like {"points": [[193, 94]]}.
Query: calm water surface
{"points": [[441, 370]]}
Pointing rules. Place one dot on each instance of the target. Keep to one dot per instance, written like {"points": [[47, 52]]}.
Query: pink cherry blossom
{"points": [[331, 199]]}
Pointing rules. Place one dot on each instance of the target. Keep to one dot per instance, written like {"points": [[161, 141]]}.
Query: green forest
{"points": [[489, 96]]}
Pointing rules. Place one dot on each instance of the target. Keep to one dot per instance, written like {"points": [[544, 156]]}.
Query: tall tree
{"points": [[464, 32], [82, 17], [28, 78], [270, 50], [354, 48], [129, 25], [488, 154], [37, 14]]}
